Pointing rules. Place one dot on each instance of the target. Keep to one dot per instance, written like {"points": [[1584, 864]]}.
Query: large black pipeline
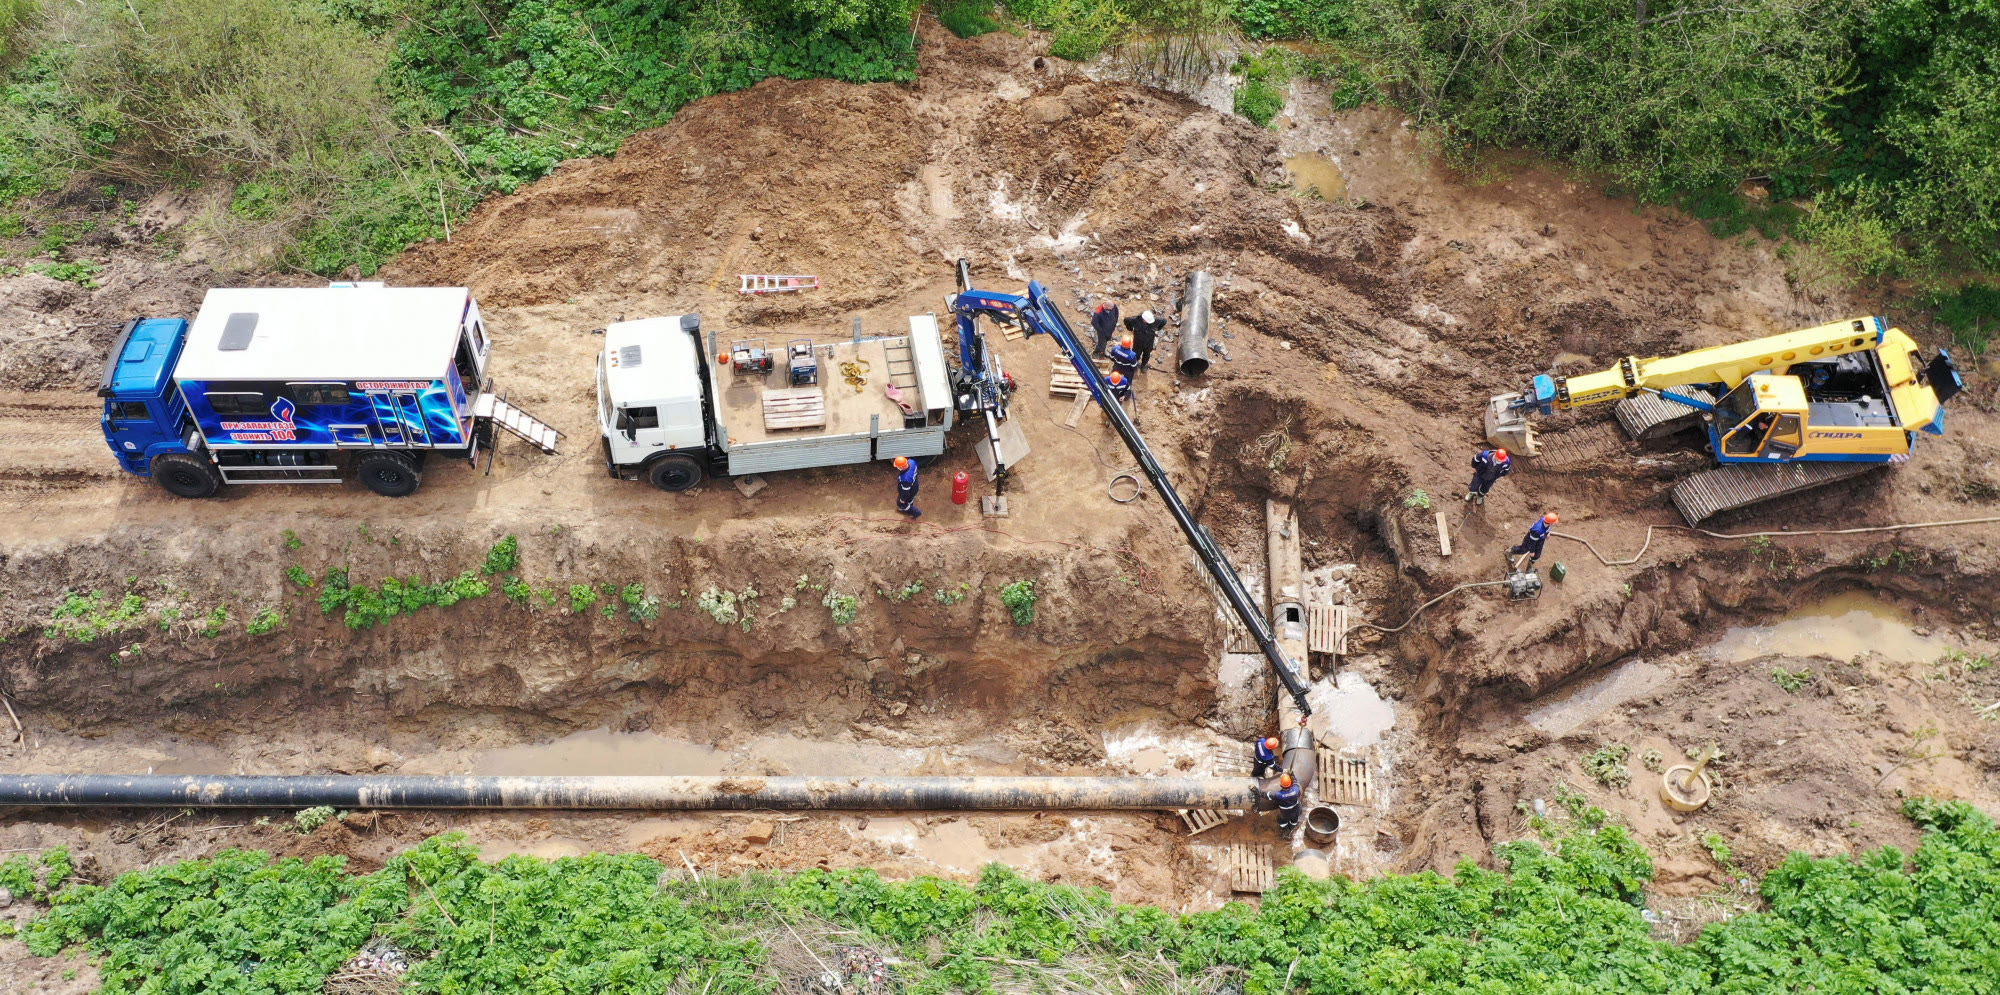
{"points": [[1197, 307], [1205, 548], [908, 794]]}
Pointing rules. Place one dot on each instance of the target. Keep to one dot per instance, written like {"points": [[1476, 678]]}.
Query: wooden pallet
{"points": [[1344, 780], [1201, 820], [794, 407], [1064, 381], [1249, 868], [1326, 629]]}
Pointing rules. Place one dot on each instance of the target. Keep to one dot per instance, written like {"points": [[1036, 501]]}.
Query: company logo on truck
{"points": [[280, 430], [392, 385]]}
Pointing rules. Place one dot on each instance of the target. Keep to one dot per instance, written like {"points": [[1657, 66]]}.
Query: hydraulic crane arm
{"points": [[1039, 314], [1727, 365]]}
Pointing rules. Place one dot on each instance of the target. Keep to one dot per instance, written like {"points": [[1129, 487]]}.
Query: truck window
{"points": [[129, 411], [647, 417], [468, 368], [238, 404], [319, 393]]}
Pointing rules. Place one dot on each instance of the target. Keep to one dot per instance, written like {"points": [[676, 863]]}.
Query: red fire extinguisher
{"points": [[961, 486]]}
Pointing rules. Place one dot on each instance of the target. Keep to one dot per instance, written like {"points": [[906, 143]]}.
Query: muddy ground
{"points": [[1365, 328]]}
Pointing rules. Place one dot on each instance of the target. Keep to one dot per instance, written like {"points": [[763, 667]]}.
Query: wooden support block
{"points": [[1344, 780], [1444, 536], [1201, 820], [1249, 868], [1077, 408], [800, 407]]}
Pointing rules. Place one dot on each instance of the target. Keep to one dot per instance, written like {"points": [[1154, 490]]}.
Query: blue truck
{"points": [[303, 385]]}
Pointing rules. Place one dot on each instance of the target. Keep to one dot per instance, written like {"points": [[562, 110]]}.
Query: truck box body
{"points": [[335, 367]]}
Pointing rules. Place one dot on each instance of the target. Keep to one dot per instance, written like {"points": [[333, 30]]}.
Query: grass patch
{"points": [[1562, 910], [968, 19]]}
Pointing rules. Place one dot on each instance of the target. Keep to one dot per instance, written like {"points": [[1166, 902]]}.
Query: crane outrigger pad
{"points": [[1738, 485]]}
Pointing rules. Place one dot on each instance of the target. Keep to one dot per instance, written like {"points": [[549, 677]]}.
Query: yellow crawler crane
{"points": [[1784, 414]]}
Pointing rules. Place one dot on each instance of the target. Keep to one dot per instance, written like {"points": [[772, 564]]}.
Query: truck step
{"points": [[1650, 416], [1739, 485], [493, 408]]}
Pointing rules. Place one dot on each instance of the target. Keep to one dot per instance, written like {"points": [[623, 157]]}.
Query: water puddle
{"points": [[1152, 744], [1314, 174], [953, 845], [1351, 710], [1560, 713], [1841, 627]]}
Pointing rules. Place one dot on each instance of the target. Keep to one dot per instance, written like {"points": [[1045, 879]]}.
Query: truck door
{"points": [[400, 418], [129, 428]]}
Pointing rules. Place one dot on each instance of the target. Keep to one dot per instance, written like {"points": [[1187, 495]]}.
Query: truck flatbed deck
{"points": [[741, 407]]}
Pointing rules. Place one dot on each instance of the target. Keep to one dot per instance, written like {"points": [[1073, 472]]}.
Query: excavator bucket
{"points": [[1507, 426]]}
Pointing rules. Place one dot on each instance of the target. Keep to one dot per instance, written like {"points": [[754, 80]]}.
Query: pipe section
{"points": [[1197, 307], [910, 794]]}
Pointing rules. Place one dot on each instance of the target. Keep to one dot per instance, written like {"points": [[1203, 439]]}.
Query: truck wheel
{"points": [[186, 475], [389, 474], [675, 473]]}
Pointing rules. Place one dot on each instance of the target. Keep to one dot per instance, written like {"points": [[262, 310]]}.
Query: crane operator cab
{"points": [[1763, 418], [1861, 406]]}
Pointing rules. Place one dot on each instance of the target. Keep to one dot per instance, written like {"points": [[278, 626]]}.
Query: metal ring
{"points": [[1137, 488]]}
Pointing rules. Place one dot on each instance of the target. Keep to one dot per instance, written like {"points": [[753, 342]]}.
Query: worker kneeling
{"points": [[1121, 386], [1264, 756]]}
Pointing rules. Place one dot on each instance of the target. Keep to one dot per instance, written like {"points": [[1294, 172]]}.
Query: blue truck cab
{"points": [[144, 417]]}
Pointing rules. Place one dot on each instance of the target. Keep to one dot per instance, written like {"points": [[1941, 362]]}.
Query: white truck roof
{"points": [[324, 333], [650, 360]]}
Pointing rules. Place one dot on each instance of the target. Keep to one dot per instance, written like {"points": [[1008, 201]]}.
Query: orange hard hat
{"points": [[1127, 340], [1116, 377], [722, 359], [1551, 518], [1500, 454], [1284, 780], [902, 462], [1270, 742]]}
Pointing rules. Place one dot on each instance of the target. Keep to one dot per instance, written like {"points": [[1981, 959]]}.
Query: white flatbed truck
{"points": [[674, 412]]}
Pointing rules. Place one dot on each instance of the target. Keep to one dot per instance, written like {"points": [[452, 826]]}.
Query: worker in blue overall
{"points": [[1125, 359], [1104, 322], [1488, 466], [906, 487], [1538, 534], [1264, 756], [1286, 795], [1121, 387]]}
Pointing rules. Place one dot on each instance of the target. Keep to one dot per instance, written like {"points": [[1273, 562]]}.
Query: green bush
{"points": [[1606, 765], [265, 622], [1561, 912], [1019, 597], [1972, 312], [968, 18], [581, 597], [503, 558], [85, 618]]}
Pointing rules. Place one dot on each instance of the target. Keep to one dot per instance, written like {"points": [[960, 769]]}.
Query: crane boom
{"points": [[1039, 314], [1723, 364]]}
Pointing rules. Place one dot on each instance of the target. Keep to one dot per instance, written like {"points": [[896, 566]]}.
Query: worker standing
{"points": [[1264, 756], [1104, 322], [1286, 795], [1538, 534], [1145, 334], [1488, 466], [1124, 359], [906, 487]]}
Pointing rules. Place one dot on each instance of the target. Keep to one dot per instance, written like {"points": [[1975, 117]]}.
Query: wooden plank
{"points": [[1444, 536], [1077, 408]]}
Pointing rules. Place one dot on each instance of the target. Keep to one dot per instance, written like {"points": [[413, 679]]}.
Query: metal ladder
{"points": [[494, 408], [902, 364], [774, 283]]}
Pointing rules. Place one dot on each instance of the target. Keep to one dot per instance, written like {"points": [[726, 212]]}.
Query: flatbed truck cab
{"points": [[297, 385]]}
